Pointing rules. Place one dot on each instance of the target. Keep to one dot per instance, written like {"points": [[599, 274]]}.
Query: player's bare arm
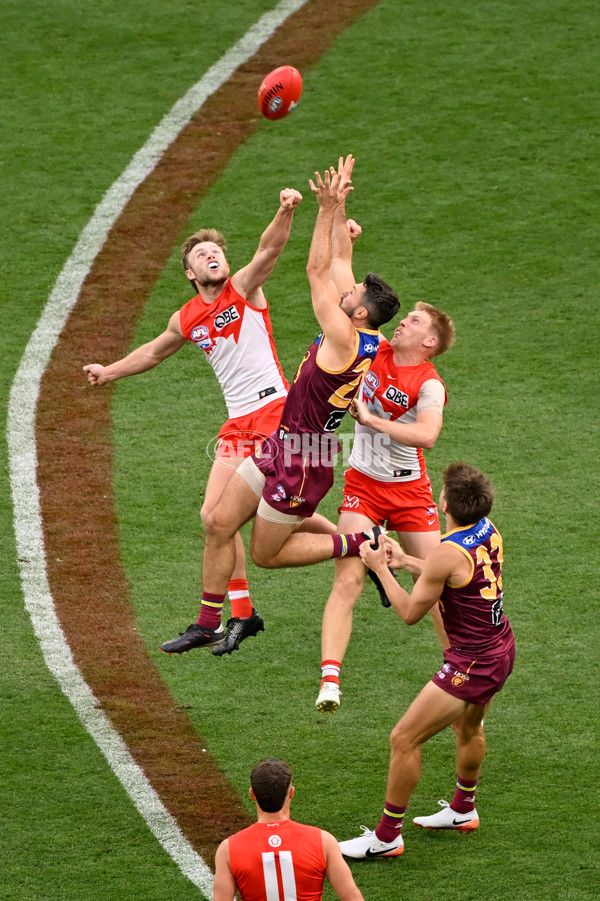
{"points": [[142, 358], [338, 872], [339, 341], [439, 566], [224, 887], [421, 433], [397, 558], [249, 281]]}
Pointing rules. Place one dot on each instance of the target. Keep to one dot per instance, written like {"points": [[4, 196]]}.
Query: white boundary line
{"points": [[23, 453]]}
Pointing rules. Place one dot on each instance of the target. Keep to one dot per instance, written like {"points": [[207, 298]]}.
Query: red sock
{"points": [[330, 671], [390, 824], [464, 796], [239, 596], [211, 609], [347, 545]]}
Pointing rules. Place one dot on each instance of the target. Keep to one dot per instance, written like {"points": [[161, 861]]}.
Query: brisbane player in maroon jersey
{"points": [[282, 483], [464, 575]]}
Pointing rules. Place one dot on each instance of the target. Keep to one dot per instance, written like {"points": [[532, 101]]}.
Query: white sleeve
{"points": [[431, 396]]}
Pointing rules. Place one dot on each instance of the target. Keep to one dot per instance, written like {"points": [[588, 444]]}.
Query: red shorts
{"points": [[475, 681], [296, 482], [241, 436], [404, 506]]}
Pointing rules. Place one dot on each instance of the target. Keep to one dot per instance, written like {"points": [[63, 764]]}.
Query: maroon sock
{"points": [[464, 796], [347, 545], [211, 609], [390, 825]]}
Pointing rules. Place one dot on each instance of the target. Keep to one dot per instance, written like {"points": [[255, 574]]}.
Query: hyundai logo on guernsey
{"points": [[479, 535]]}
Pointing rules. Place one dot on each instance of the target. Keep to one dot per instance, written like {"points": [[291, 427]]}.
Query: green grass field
{"points": [[475, 130]]}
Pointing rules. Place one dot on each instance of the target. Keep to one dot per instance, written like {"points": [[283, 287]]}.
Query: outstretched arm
{"points": [[249, 280], [438, 566], [338, 331], [142, 358], [344, 233]]}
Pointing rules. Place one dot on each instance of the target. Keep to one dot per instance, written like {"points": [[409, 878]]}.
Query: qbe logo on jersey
{"points": [[226, 317], [396, 396]]}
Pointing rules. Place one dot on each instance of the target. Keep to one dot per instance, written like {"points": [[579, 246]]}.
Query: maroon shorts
{"points": [[472, 680], [296, 482]]}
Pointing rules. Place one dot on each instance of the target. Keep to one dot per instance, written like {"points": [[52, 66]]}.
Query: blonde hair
{"points": [[210, 235], [442, 325]]}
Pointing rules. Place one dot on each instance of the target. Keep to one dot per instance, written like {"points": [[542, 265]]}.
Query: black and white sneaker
{"points": [[195, 636], [238, 629]]}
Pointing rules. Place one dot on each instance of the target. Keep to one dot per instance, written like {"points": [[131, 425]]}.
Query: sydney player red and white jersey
{"points": [[394, 392], [237, 340], [283, 861]]}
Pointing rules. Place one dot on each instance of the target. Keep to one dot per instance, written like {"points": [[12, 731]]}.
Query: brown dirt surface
{"points": [[75, 455]]}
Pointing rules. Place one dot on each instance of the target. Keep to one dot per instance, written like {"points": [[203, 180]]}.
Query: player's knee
{"points": [[346, 589], [261, 556], [218, 524], [401, 741]]}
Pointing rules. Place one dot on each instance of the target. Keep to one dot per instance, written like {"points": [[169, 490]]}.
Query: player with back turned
{"points": [[277, 857]]}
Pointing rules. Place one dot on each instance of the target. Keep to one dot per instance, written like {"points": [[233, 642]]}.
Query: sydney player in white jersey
{"points": [[228, 320], [399, 413]]}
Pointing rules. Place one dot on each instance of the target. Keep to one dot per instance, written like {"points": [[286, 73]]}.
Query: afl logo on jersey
{"points": [[370, 384], [227, 316], [201, 337]]}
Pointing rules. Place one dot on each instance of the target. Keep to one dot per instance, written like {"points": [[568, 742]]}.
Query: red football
{"points": [[279, 92]]}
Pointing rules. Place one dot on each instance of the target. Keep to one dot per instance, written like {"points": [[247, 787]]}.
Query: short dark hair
{"points": [[468, 492], [380, 301], [270, 780]]}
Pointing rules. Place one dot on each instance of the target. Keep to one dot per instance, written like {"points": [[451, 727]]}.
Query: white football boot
{"points": [[368, 845], [329, 697], [449, 819]]}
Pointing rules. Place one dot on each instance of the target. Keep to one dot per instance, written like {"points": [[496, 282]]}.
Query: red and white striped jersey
{"points": [[237, 340]]}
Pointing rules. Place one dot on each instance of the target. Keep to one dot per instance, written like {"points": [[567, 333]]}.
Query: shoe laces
{"points": [[367, 831], [443, 803]]}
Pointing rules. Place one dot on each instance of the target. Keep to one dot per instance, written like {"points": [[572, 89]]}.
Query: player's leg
{"points": [[236, 505], [432, 710], [276, 540], [319, 524], [347, 586], [419, 544], [221, 472], [461, 814]]}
